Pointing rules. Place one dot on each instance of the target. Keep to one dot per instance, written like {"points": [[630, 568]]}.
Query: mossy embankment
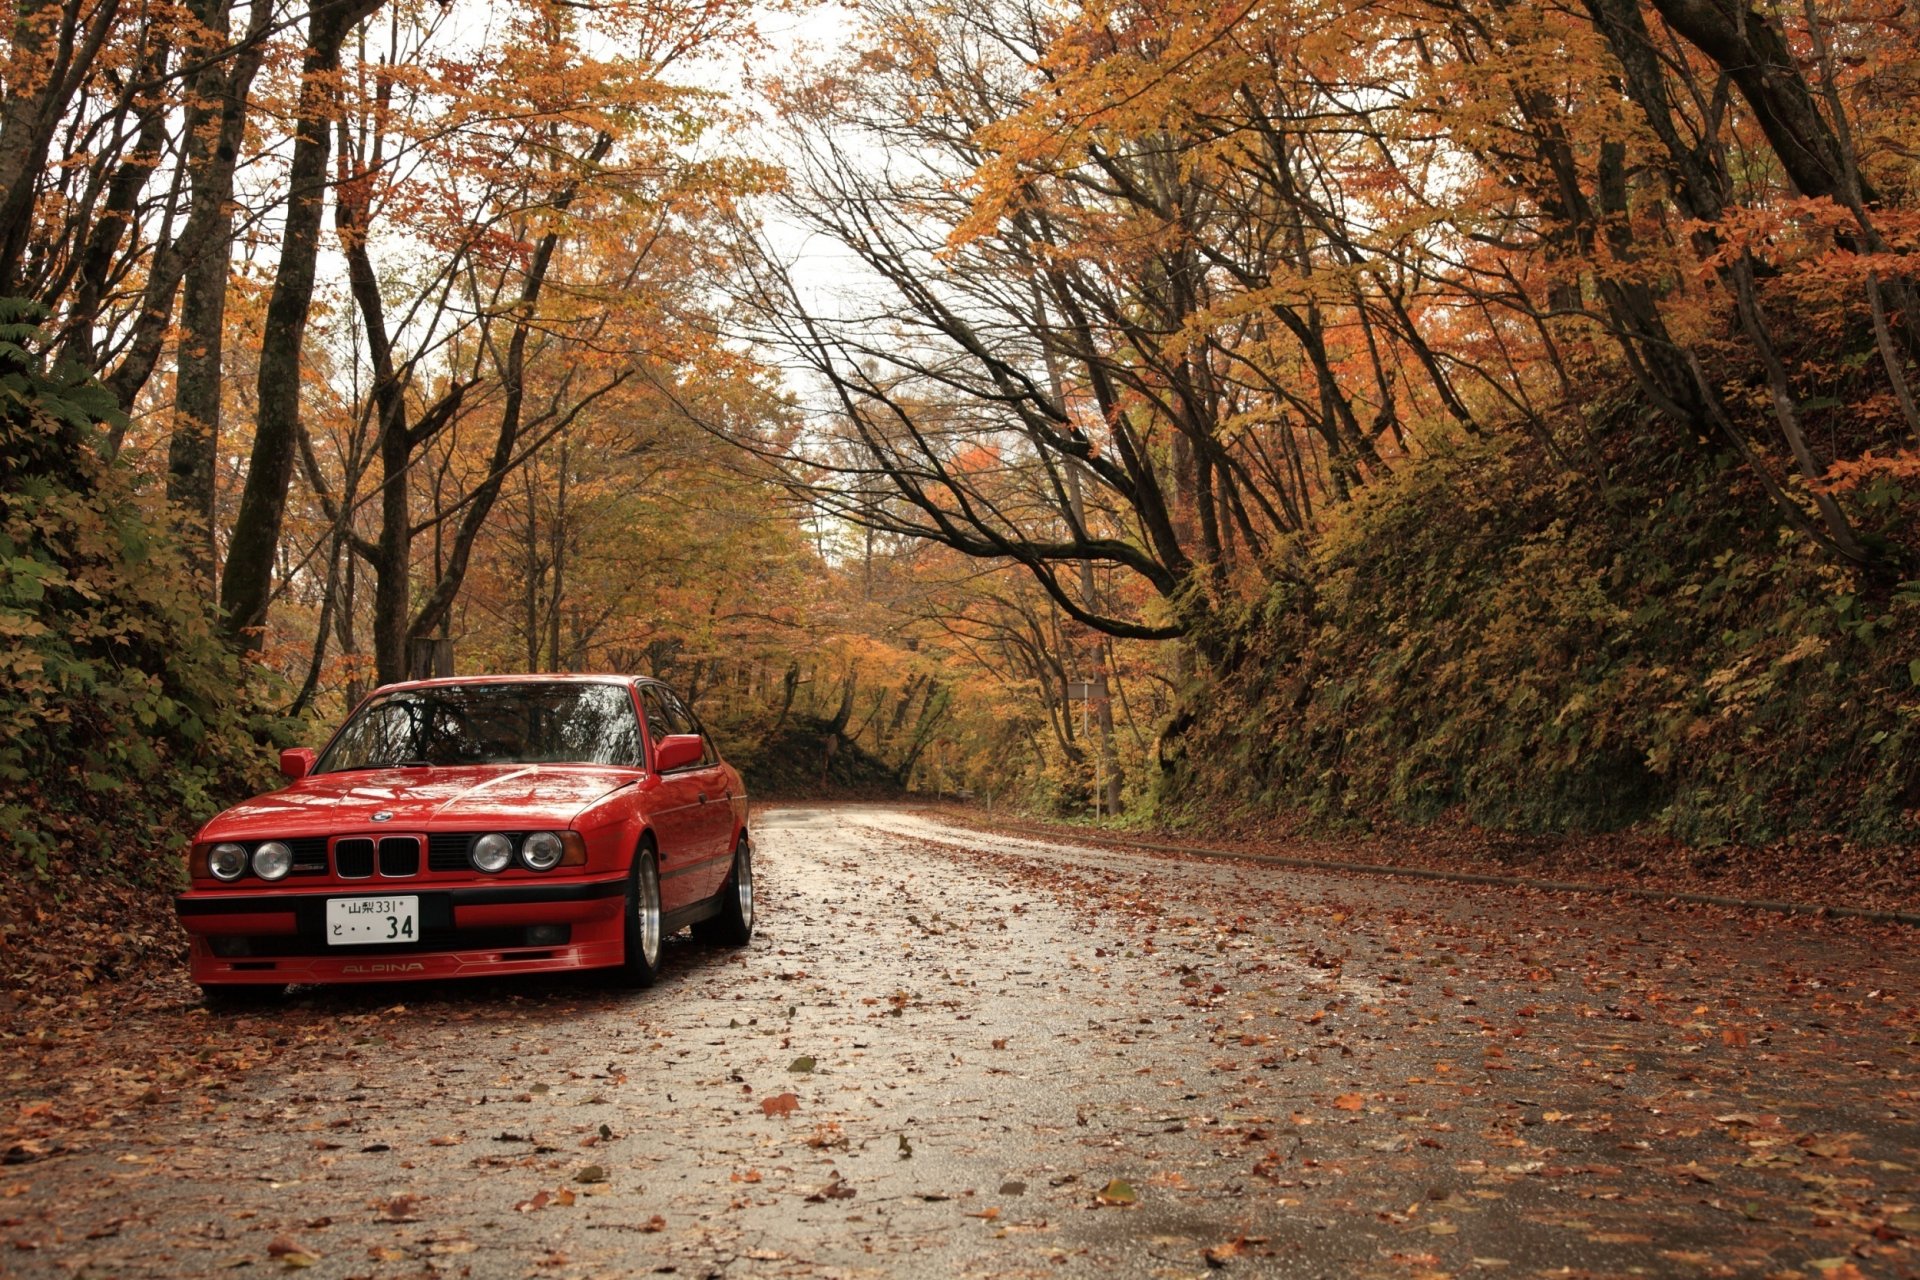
{"points": [[1635, 641]]}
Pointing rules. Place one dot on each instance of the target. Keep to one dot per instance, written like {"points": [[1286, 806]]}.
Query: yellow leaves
{"points": [[1805, 647]]}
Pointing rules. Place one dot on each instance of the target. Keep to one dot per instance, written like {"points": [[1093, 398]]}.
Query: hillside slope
{"points": [[1526, 646]]}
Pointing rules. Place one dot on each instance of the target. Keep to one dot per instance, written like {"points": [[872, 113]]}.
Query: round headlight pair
{"points": [[541, 851], [270, 861]]}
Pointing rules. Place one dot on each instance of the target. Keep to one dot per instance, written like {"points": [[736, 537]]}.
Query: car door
{"points": [[715, 795], [675, 812]]}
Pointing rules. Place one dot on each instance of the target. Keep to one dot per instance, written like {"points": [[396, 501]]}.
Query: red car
{"points": [[467, 827]]}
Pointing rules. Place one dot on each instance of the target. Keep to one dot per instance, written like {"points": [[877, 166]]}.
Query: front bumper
{"points": [[243, 936]]}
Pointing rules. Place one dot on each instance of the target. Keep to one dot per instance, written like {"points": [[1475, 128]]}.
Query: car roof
{"points": [[530, 677]]}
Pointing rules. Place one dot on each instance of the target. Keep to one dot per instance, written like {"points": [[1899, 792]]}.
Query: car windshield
{"points": [[535, 722]]}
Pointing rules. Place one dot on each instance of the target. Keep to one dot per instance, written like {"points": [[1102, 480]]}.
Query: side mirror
{"points": [[677, 750], [296, 762]]}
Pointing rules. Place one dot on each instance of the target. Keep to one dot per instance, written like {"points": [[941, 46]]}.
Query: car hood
{"points": [[513, 797]]}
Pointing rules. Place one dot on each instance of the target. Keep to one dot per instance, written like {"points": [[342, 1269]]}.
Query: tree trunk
{"points": [[439, 602], [789, 685], [557, 552], [1752, 51], [116, 218], [838, 725], [216, 123], [247, 582], [47, 56]]}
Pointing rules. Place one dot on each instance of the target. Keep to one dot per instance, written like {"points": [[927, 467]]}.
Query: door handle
{"points": [[703, 797]]}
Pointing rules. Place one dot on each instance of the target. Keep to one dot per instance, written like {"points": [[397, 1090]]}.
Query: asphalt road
{"points": [[955, 1055]]}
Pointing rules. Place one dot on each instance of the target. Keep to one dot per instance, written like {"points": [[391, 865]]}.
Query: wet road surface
{"points": [[949, 1054]]}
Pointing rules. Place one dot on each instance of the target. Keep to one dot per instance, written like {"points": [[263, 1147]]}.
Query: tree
{"points": [[247, 579]]}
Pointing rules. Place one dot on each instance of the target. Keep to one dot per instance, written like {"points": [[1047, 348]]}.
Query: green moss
{"points": [[1537, 650]]}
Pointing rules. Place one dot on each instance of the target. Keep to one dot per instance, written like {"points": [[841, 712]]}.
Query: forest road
{"points": [[952, 1054]]}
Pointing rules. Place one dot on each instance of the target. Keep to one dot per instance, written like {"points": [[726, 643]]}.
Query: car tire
{"points": [[733, 927], [233, 996], [642, 934]]}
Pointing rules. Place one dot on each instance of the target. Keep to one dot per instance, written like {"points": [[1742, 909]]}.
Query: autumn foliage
{"points": [[1441, 408], [1506, 410], [123, 718]]}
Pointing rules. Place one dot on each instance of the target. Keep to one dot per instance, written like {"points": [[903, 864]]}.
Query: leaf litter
{"points": [[1241, 1060]]}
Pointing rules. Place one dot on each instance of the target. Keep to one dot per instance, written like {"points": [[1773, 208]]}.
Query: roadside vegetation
{"points": [[1539, 648]]}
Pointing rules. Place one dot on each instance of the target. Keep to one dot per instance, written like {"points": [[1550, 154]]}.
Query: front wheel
{"points": [[643, 934], [733, 927]]}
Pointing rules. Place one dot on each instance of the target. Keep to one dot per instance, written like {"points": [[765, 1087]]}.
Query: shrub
{"points": [[124, 720]]}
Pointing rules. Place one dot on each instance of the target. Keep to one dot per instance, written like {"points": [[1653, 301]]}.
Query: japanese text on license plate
{"points": [[360, 921]]}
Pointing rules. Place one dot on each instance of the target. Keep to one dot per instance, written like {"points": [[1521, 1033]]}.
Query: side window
{"points": [[681, 716], [658, 726]]}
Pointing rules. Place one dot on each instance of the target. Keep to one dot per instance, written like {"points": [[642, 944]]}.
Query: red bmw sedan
{"points": [[468, 827]]}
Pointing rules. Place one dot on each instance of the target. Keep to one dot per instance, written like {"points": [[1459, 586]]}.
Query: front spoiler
{"points": [[208, 969], [591, 908]]}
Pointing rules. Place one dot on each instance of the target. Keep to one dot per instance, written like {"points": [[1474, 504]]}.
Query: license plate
{"points": [[361, 921]]}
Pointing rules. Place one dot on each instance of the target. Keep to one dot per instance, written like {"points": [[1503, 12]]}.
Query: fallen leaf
{"points": [[291, 1252], [401, 1208], [1220, 1255], [834, 1190]]}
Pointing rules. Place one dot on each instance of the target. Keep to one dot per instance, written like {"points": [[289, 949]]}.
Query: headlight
{"points": [[542, 851], [272, 860], [492, 852], [227, 862]]}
